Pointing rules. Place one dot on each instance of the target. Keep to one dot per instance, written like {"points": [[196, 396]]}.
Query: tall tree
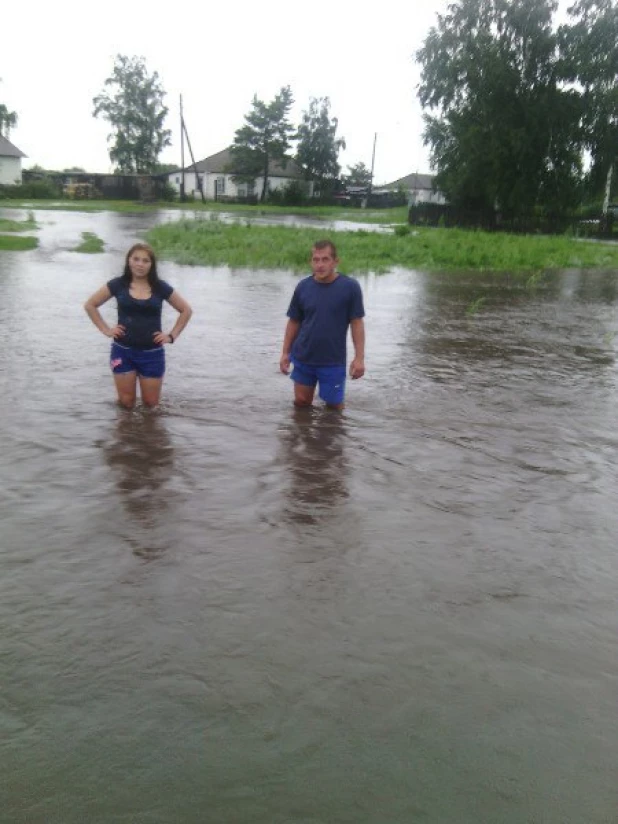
{"points": [[590, 60], [265, 138], [318, 146], [358, 175], [132, 103], [8, 120], [503, 132]]}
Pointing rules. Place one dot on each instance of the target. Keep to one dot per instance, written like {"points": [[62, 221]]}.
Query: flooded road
{"points": [[229, 611]]}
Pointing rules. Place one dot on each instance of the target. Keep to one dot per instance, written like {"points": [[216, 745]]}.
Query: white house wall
{"points": [[190, 183], [274, 183], [208, 184], [231, 188], [426, 196], [10, 170]]}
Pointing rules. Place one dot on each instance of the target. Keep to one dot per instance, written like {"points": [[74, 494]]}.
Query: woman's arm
{"points": [[184, 315], [91, 306]]}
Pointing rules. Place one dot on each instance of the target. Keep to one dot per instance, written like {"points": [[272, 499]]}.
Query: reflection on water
{"points": [[313, 455], [141, 455]]}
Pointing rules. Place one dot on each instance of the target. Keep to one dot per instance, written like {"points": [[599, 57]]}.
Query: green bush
{"points": [[168, 193], [294, 193], [39, 189], [402, 230]]}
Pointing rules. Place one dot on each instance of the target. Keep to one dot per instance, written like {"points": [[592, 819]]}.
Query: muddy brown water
{"points": [[229, 611]]}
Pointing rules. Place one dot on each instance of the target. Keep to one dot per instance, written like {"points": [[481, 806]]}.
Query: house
{"points": [[418, 187], [10, 162], [217, 173]]}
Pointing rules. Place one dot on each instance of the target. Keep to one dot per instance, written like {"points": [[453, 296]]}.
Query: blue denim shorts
{"points": [[331, 380], [148, 363]]}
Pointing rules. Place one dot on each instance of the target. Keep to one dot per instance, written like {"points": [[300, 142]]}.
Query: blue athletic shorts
{"points": [[148, 363], [330, 378]]}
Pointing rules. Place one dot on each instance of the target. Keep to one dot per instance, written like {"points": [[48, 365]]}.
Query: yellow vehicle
{"points": [[79, 191]]}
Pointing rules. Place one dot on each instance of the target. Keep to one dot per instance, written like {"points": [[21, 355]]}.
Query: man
{"points": [[322, 308]]}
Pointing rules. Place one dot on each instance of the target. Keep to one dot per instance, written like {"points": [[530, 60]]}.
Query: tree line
{"points": [[521, 114], [132, 101]]}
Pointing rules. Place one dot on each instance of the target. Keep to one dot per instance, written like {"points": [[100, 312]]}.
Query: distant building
{"points": [[217, 173], [10, 162], [419, 188]]}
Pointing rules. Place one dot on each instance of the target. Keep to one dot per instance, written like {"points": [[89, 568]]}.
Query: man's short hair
{"points": [[326, 244]]}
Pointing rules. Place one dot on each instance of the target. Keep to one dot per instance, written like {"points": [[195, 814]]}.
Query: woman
{"points": [[137, 348]]}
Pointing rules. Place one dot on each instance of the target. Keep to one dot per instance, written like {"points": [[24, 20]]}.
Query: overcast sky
{"points": [[55, 57]]}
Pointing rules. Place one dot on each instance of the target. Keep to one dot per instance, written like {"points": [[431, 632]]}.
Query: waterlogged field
{"points": [[212, 242], [396, 215], [11, 225], [233, 611], [13, 242]]}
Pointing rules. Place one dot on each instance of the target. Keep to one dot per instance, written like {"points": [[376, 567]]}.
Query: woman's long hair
{"points": [[153, 275]]}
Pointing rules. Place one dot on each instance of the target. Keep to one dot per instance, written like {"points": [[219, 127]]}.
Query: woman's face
{"points": [[140, 263]]}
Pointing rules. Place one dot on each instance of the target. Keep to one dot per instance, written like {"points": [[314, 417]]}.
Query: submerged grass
{"points": [[91, 244], [17, 243], [27, 225], [212, 242]]}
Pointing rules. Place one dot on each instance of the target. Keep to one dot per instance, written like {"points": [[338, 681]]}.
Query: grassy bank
{"points": [[27, 225], [17, 243], [211, 242], [91, 244], [398, 215]]}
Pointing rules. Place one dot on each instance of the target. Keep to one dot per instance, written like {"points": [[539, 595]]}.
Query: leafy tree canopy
{"points": [[503, 127], [358, 175], [132, 103], [318, 146], [264, 138]]}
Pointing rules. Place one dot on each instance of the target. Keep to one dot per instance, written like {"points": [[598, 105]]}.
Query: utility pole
{"points": [[182, 154], [373, 161], [606, 221], [198, 179]]}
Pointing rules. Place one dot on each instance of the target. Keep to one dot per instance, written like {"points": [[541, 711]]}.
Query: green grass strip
{"points": [[212, 242], [91, 244], [17, 243], [27, 225]]}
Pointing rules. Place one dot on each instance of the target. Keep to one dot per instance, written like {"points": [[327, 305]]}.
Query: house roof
{"points": [[8, 150], [223, 163], [414, 181]]}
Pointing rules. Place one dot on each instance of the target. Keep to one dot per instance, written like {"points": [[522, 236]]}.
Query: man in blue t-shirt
{"points": [[322, 308]]}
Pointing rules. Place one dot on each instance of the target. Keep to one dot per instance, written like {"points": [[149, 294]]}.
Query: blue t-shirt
{"points": [[140, 318], [324, 311]]}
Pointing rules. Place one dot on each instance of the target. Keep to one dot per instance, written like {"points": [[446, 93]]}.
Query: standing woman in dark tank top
{"points": [[138, 341]]}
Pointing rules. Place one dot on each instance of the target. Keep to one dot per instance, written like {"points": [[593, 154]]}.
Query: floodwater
{"points": [[229, 611], [256, 217]]}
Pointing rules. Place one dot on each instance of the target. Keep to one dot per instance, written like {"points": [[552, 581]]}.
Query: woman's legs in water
{"points": [[126, 384], [150, 390]]}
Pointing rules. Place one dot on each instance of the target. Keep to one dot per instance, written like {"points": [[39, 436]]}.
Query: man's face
{"points": [[324, 264]]}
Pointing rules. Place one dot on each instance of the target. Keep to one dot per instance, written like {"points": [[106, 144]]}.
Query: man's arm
{"points": [[357, 367], [291, 331]]}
